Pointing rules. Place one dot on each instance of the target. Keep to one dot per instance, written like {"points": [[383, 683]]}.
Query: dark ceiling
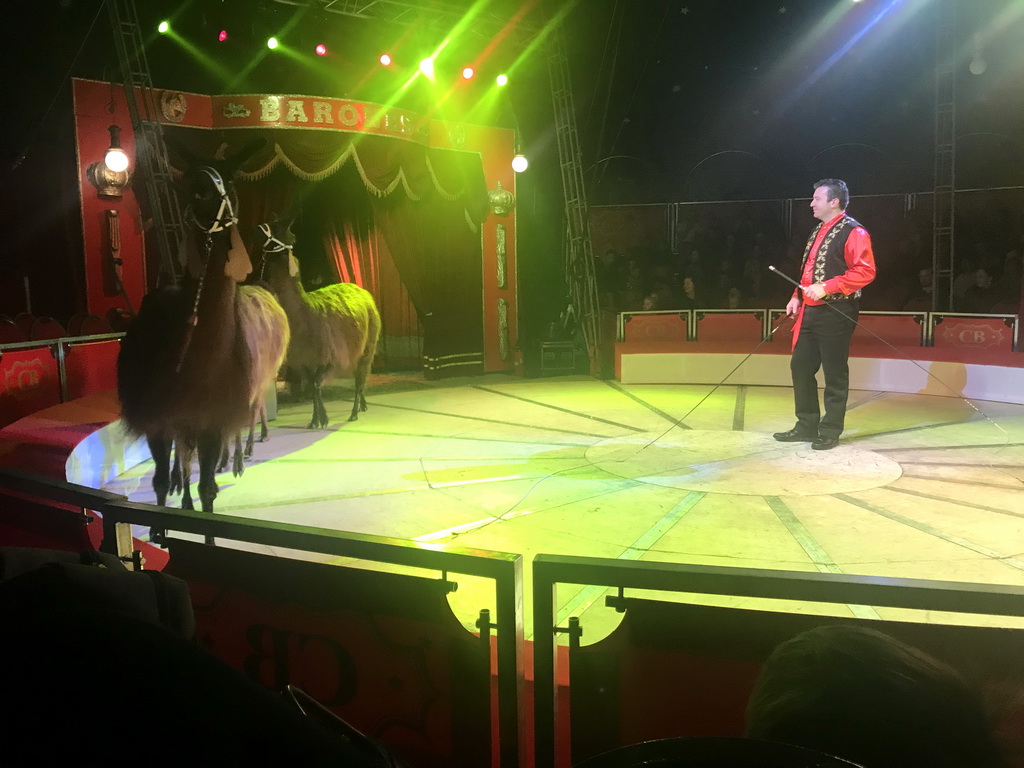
{"points": [[680, 99]]}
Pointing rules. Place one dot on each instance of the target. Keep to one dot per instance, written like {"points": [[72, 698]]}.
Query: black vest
{"points": [[830, 260]]}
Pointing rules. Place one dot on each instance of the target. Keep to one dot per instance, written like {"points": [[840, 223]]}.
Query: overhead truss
{"points": [[439, 16]]}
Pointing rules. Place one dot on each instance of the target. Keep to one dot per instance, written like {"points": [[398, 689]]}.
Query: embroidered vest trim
{"points": [[830, 259]]}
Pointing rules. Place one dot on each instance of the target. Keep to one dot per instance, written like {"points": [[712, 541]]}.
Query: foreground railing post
{"points": [[117, 539], [511, 665], [543, 665]]}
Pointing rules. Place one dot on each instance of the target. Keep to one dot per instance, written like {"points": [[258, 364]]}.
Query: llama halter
{"points": [[226, 216], [272, 244]]}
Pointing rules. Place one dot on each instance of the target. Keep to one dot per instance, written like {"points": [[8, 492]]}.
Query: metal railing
{"points": [[59, 347], [768, 317], [503, 568], [549, 571]]}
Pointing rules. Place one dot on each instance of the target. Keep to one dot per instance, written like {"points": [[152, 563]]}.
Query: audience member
{"points": [[606, 274], [864, 696], [964, 279], [980, 297], [919, 298], [631, 295]]}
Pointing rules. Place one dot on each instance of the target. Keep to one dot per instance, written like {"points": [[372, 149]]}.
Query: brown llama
{"points": [[265, 326], [334, 328], [186, 371]]}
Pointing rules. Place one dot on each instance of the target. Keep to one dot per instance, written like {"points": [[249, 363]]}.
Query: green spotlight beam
{"points": [[239, 78], [206, 60]]}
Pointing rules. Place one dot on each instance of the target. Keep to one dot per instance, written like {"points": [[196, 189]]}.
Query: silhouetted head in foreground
{"points": [[861, 695]]}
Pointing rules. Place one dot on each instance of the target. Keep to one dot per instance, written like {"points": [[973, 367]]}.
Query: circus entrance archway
{"points": [[382, 197]]}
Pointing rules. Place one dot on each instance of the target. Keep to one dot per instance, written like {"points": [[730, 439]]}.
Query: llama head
{"points": [[210, 190], [277, 242], [212, 208]]}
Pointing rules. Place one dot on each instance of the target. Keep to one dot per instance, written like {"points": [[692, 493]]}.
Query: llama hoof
{"points": [[353, 417], [186, 503]]}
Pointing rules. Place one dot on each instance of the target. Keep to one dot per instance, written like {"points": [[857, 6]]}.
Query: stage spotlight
{"points": [[427, 68], [520, 163], [385, 59], [467, 73], [272, 43], [163, 27], [222, 36], [501, 80], [321, 49]]}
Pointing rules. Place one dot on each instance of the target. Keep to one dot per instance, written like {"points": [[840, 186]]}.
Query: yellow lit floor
{"points": [[921, 486]]}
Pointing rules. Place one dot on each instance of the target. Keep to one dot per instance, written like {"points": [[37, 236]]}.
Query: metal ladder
{"points": [[579, 251], [150, 148], [944, 192]]}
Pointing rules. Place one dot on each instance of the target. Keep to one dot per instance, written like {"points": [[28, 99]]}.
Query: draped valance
{"points": [[387, 166]]}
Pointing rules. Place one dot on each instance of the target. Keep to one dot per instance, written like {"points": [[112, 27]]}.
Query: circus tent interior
{"points": [[560, 530]]}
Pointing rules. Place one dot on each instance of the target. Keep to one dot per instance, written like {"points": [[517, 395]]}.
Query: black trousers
{"points": [[824, 342]]}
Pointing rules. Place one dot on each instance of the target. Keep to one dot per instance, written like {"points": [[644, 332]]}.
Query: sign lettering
{"points": [[305, 112]]}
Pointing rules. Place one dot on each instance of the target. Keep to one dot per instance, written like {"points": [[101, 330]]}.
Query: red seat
{"points": [[10, 333], [24, 321], [46, 328], [93, 325], [75, 323]]}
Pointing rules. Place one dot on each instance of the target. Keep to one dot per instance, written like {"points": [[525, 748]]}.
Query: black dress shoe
{"points": [[825, 443], [794, 436]]}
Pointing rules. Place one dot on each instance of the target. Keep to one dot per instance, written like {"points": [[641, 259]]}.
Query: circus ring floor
{"points": [[921, 486]]}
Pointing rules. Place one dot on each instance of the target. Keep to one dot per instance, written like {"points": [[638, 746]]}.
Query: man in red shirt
{"points": [[838, 262]]}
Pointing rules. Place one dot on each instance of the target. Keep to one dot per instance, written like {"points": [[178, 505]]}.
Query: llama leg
{"points": [[223, 458], [160, 449], [355, 404], [319, 409], [209, 447], [359, 401], [238, 463], [264, 428], [187, 452], [174, 482], [252, 431]]}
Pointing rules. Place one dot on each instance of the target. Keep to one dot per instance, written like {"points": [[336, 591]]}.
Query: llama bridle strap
{"points": [[226, 216], [272, 244]]}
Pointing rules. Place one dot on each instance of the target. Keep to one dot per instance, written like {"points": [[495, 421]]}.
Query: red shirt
{"points": [[860, 263]]}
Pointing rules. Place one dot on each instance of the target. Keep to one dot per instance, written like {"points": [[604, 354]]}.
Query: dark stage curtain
{"points": [[438, 257], [398, 218], [410, 234], [361, 257]]}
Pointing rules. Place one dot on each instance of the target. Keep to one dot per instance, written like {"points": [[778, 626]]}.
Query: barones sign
{"points": [[318, 113]]}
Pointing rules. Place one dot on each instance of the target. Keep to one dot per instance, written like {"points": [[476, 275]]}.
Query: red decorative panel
{"points": [[655, 328], [91, 368], [972, 333], [730, 327], [381, 650], [881, 331], [28, 383]]}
